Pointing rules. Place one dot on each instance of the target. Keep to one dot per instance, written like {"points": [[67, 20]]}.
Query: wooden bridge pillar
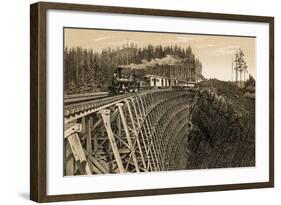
{"points": [[74, 154], [106, 120], [125, 127]]}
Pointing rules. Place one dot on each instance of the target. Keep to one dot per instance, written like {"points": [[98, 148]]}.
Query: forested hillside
{"points": [[86, 70]]}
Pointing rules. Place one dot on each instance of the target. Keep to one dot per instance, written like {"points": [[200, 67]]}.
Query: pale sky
{"points": [[215, 52]]}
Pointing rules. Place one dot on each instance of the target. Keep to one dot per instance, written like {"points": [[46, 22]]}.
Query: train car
{"points": [[158, 81], [191, 84]]}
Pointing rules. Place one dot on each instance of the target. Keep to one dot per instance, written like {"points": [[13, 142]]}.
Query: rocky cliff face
{"points": [[223, 133]]}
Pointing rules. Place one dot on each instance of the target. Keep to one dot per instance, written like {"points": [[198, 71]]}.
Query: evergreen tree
{"points": [[86, 70], [240, 66]]}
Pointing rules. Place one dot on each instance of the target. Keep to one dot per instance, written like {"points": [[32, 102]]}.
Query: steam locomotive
{"points": [[124, 81]]}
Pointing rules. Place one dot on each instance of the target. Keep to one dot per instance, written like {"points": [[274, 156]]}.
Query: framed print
{"points": [[134, 102]]}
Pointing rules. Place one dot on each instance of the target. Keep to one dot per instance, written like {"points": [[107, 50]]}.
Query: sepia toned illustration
{"points": [[148, 101]]}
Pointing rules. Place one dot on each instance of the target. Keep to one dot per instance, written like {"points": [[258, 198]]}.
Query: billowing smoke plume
{"points": [[168, 60]]}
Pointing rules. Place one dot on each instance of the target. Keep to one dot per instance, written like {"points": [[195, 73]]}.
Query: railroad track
{"points": [[75, 110], [70, 99], [79, 106]]}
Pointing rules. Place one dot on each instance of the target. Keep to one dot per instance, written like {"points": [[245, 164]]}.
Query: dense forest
{"points": [[86, 70]]}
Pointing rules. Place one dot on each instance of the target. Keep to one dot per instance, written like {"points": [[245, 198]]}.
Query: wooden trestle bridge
{"points": [[135, 132]]}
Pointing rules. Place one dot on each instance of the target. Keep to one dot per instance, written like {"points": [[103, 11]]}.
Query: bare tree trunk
{"points": [[231, 73], [236, 77], [241, 79]]}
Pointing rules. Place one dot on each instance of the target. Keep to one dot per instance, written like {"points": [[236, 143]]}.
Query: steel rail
{"points": [[68, 99]]}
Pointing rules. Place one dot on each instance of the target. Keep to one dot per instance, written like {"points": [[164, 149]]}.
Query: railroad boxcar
{"points": [[158, 81]]}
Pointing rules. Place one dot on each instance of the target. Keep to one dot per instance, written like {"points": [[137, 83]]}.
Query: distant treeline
{"points": [[86, 70]]}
